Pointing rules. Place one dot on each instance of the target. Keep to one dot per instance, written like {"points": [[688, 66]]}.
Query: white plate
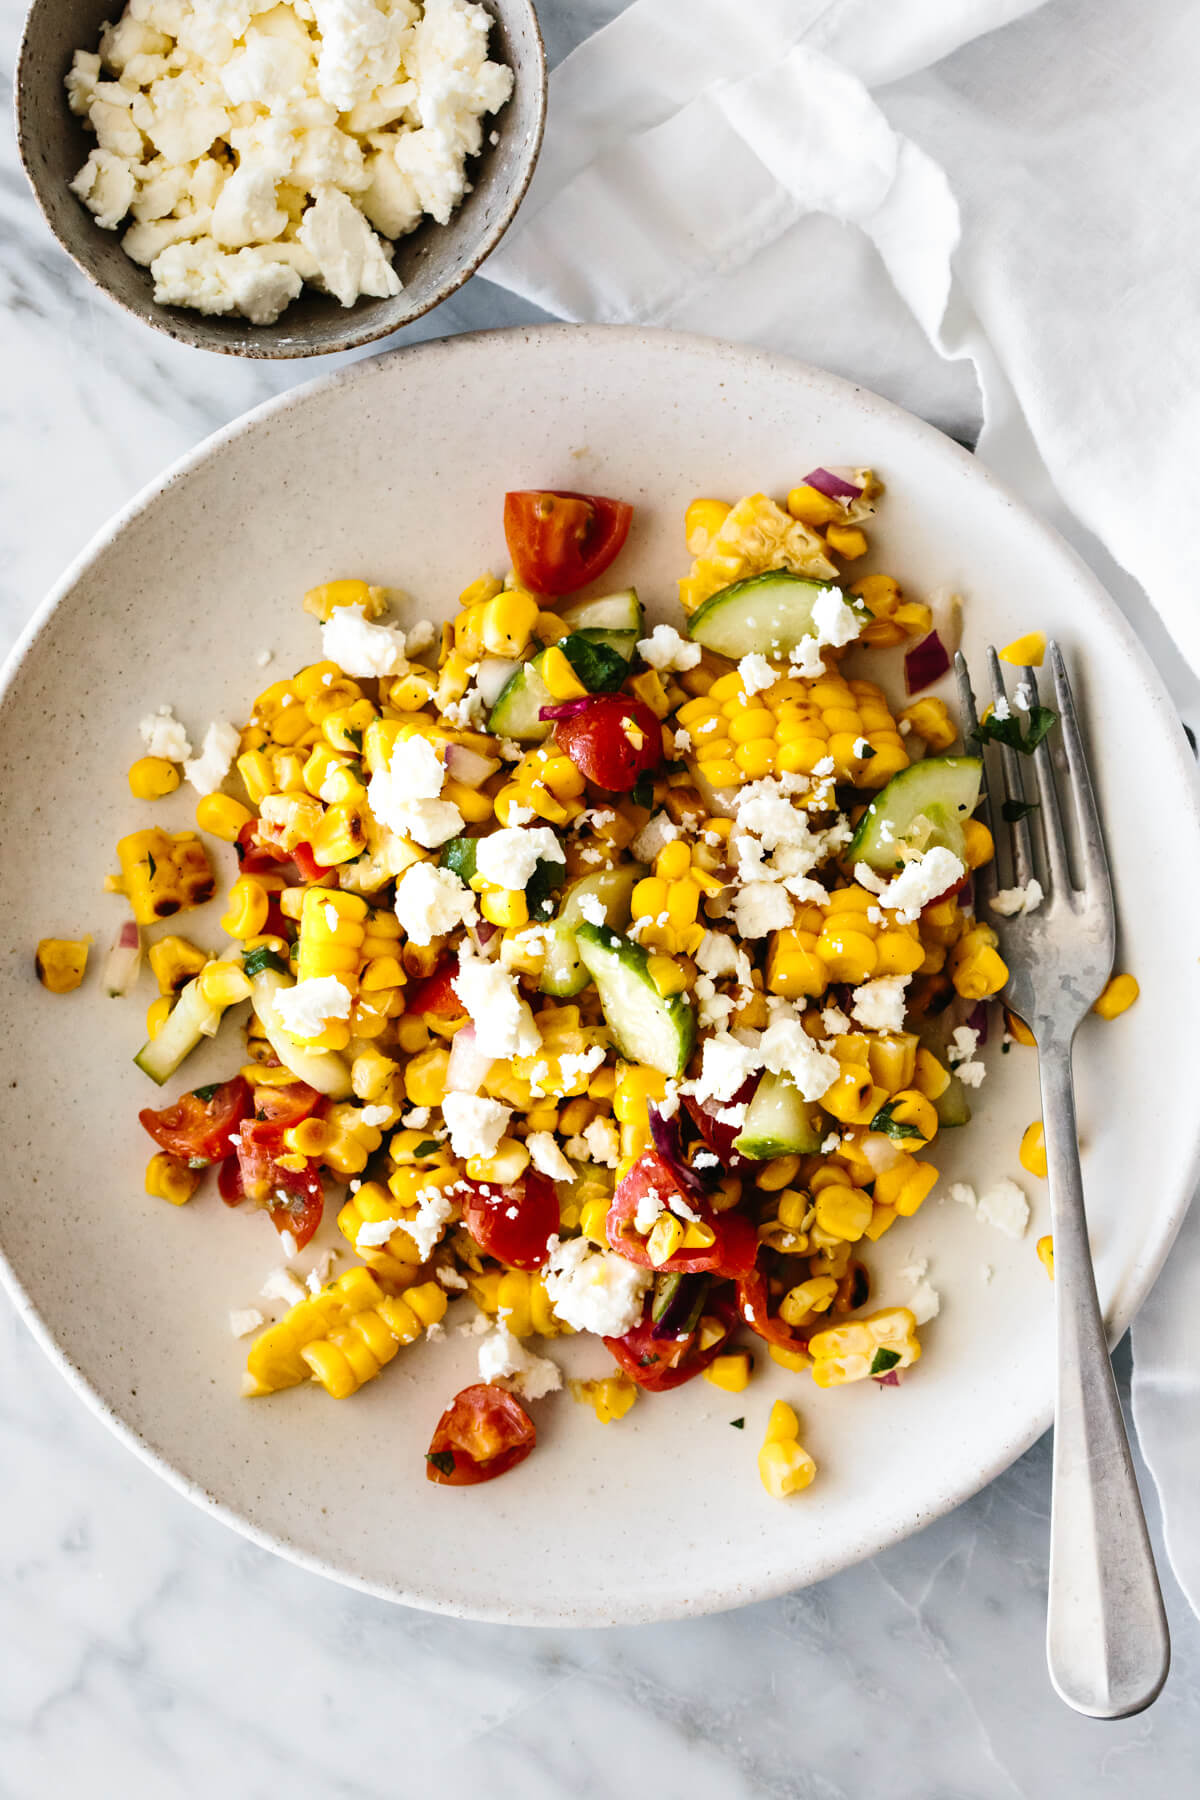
{"points": [[395, 470]]}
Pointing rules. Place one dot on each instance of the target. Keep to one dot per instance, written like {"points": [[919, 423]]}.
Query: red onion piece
{"points": [[925, 663], [977, 1019], [565, 709], [468, 766], [124, 960], [891, 1379], [468, 1064], [834, 487], [665, 1133]]}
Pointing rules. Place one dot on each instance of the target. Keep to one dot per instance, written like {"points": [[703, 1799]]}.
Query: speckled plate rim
{"points": [[713, 1598]]}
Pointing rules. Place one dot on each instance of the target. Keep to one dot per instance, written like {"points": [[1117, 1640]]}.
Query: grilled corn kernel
{"points": [[157, 1014], [322, 601], [784, 1467], [906, 1185], [223, 984], [847, 541], [844, 1212], [978, 844], [425, 1077], [610, 1398], [169, 1178], [152, 778], [163, 873], [1117, 997], [812, 507], [61, 963], [930, 720], [730, 1372], [852, 1352], [701, 523], [1033, 1149], [175, 960], [222, 817], [508, 622]]}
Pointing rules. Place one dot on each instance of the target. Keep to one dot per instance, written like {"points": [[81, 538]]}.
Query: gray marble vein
{"points": [[147, 1651]]}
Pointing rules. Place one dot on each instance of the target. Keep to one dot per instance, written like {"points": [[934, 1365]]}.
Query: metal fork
{"points": [[1106, 1632]]}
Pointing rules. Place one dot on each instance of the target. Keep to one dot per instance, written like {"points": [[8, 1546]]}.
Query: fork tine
{"points": [[1093, 860], [1019, 836], [1057, 860], [985, 876]]}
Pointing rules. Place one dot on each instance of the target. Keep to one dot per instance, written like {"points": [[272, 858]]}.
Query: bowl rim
{"points": [[175, 322], [1133, 1290]]}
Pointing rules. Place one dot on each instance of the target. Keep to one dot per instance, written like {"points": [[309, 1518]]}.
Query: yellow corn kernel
{"points": [[1026, 651], [169, 1178], [808, 1297], [782, 1423], [844, 1212], [223, 984], [845, 1353], [650, 691], [847, 541], [157, 1014], [905, 1185], [175, 960], [882, 1219], [505, 907], [1117, 997], [665, 1238], [484, 587], [793, 967], [701, 523], [1033, 1149], [152, 778], [911, 1107], [506, 1165], [930, 1077], [978, 844], [610, 1398], [358, 1350], [508, 622], [249, 904], [795, 1360], [812, 507], [321, 601], [1045, 1250], [779, 1173], [730, 1372], [222, 817], [258, 776], [1019, 1031], [425, 1077], [784, 1467], [853, 1098], [930, 720], [163, 873], [61, 963]]}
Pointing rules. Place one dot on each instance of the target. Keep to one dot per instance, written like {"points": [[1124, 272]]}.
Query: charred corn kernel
{"points": [[381, 974], [223, 984], [289, 819], [507, 1163], [175, 960], [853, 1098], [61, 963], [248, 906], [163, 873], [152, 778], [508, 622], [977, 973], [978, 844], [1117, 997], [157, 1014], [1026, 651], [892, 1059], [357, 1350], [755, 535], [879, 593], [844, 1212], [731, 1372], [847, 1352], [913, 1108], [222, 817], [930, 720], [1033, 1149], [610, 1398], [847, 541], [930, 1077], [340, 837], [425, 1077], [808, 1297], [783, 1466], [169, 1178], [812, 507], [701, 523], [905, 1185], [257, 775], [1045, 1250], [665, 1238], [321, 601], [793, 966]]}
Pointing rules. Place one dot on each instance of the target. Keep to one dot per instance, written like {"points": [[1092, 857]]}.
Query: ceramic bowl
{"points": [[432, 262], [661, 1514]]}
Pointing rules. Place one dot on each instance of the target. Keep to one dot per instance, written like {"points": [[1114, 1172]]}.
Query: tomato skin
{"points": [[754, 1301], [435, 998], [659, 1364], [523, 1242], [559, 541], [286, 1103], [486, 1431], [294, 1198], [731, 1253], [718, 1136], [597, 742], [229, 1181], [200, 1130], [256, 857]]}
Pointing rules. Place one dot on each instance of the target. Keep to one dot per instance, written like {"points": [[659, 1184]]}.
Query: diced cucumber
{"points": [[779, 1122], [952, 1105], [621, 613], [923, 807], [624, 643], [321, 1069], [563, 972], [191, 1018], [767, 614], [515, 714], [646, 1026]]}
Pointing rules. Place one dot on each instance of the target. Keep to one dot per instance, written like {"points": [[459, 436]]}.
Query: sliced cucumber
{"points": [[191, 1018], [767, 615], [563, 972], [646, 1027], [515, 714], [952, 1105], [617, 613], [778, 1122], [922, 807], [624, 643], [321, 1069]]}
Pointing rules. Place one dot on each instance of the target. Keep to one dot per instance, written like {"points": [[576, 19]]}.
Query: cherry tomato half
{"points": [[435, 998], [515, 1223], [731, 1252], [613, 741], [294, 1198], [560, 541], [484, 1432], [660, 1363], [200, 1125]]}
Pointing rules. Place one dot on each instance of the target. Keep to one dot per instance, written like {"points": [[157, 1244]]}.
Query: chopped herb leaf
{"points": [[1004, 1049], [643, 791], [547, 876], [442, 1460], [867, 752], [738, 1424], [426, 1147], [262, 957], [355, 737], [883, 1360], [459, 856], [600, 668], [153, 865], [992, 730], [1014, 810], [897, 1129], [206, 1093]]}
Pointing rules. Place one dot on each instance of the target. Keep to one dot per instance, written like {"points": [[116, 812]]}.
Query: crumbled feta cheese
{"points": [[724, 1065], [836, 623], [431, 901], [504, 1024], [664, 649], [649, 1209], [420, 637], [1001, 709], [761, 907], [879, 1004], [434, 1211], [207, 771], [756, 673], [925, 878], [403, 797], [835, 1021], [924, 1301], [717, 955], [281, 1284], [1010, 901], [360, 648], [376, 1115], [509, 856], [502, 1358], [594, 1290], [290, 1247], [787, 1049], [164, 736], [806, 660], [658, 831], [603, 1142], [452, 1278], [960, 1053], [305, 1009], [243, 1320], [591, 908], [1004, 1205], [547, 1158], [964, 1193], [476, 1123], [264, 657]]}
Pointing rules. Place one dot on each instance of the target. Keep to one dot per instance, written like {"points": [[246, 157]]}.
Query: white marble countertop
{"points": [[148, 1651]]}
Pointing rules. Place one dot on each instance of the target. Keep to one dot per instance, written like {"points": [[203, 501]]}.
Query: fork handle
{"points": [[1106, 1632]]}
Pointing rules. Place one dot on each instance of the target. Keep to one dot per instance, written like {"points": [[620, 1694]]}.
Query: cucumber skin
{"points": [[772, 1096], [597, 615], [878, 809], [535, 731], [737, 639], [573, 976], [678, 1014], [160, 1056]]}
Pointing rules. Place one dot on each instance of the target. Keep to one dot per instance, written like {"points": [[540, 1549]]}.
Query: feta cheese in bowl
{"points": [[280, 179]]}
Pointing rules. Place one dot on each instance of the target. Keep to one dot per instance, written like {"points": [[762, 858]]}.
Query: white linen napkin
{"points": [[980, 208]]}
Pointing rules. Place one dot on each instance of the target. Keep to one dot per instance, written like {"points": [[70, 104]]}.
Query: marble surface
{"points": [[148, 1651]]}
